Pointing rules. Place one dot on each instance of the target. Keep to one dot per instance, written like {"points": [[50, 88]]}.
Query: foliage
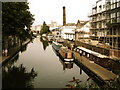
{"points": [[115, 83], [45, 29], [76, 83], [16, 19], [112, 84], [17, 77]]}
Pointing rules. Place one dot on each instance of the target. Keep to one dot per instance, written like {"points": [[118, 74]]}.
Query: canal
{"points": [[38, 66]]}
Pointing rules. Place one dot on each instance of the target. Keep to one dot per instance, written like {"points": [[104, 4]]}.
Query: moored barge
{"points": [[66, 54], [56, 46]]}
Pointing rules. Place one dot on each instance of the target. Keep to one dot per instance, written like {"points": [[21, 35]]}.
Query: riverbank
{"points": [[102, 73], [13, 51]]}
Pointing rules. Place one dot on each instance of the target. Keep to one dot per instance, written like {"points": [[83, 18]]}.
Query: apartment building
{"points": [[113, 23], [105, 24]]}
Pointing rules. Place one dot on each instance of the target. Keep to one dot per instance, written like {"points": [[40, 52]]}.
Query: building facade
{"points": [[68, 31], [82, 31], [53, 25], [38, 28], [105, 24], [56, 33]]}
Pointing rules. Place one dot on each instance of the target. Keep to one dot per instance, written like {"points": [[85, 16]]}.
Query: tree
{"points": [[45, 29], [15, 17], [16, 23]]}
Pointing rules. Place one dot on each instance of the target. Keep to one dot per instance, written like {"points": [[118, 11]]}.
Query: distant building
{"points": [[38, 28], [68, 31], [53, 25], [56, 33], [32, 28], [82, 31]]}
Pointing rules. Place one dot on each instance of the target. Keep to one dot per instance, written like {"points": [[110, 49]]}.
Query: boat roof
{"points": [[56, 43], [65, 49], [92, 52]]}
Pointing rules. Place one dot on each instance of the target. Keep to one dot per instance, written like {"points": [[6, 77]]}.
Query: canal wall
{"points": [[89, 73], [94, 69], [13, 52]]}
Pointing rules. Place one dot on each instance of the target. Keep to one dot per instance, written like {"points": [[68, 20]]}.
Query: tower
{"points": [[64, 16]]}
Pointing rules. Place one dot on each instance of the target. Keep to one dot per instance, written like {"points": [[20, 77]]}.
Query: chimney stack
{"points": [[64, 16]]}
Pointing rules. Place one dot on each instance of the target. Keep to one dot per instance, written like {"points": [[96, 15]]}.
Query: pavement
{"points": [[12, 52], [98, 70]]}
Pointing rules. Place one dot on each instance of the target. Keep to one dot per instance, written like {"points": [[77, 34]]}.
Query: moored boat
{"points": [[60, 40], [56, 46], [66, 54]]}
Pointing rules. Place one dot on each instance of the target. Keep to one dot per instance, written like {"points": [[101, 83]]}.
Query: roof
{"points": [[81, 23], [92, 52], [70, 24]]}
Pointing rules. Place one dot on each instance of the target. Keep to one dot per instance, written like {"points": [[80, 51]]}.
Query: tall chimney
{"points": [[64, 16]]}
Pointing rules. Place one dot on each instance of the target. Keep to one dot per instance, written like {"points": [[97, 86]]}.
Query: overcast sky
{"points": [[48, 10]]}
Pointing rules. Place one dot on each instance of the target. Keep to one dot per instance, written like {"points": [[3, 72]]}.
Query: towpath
{"points": [[13, 51], [99, 71]]}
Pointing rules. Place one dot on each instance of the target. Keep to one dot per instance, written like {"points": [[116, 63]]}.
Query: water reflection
{"points": [[17, 77], [24, 48], [66, 65], [44, 42], [50, 72], [76, 83], [13, 60]]}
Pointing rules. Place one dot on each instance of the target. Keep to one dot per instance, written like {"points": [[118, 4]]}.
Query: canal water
{"points": [[38, 66]]}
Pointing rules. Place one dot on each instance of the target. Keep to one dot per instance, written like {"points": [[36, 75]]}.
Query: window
{"points": [[118, 20], [80, 51], [118, 4], [103, 6], [113, 6], [118, 14], [113, 15]]}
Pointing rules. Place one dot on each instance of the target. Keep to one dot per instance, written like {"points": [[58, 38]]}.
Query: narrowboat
{"points": [[66, 54], [56, 46]]}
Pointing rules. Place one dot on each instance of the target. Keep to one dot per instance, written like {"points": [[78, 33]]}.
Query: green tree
{"points": [[16, 19], [45, 29]]}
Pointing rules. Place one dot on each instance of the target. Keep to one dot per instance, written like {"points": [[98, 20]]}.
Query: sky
{"points": [[52, 10]]}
